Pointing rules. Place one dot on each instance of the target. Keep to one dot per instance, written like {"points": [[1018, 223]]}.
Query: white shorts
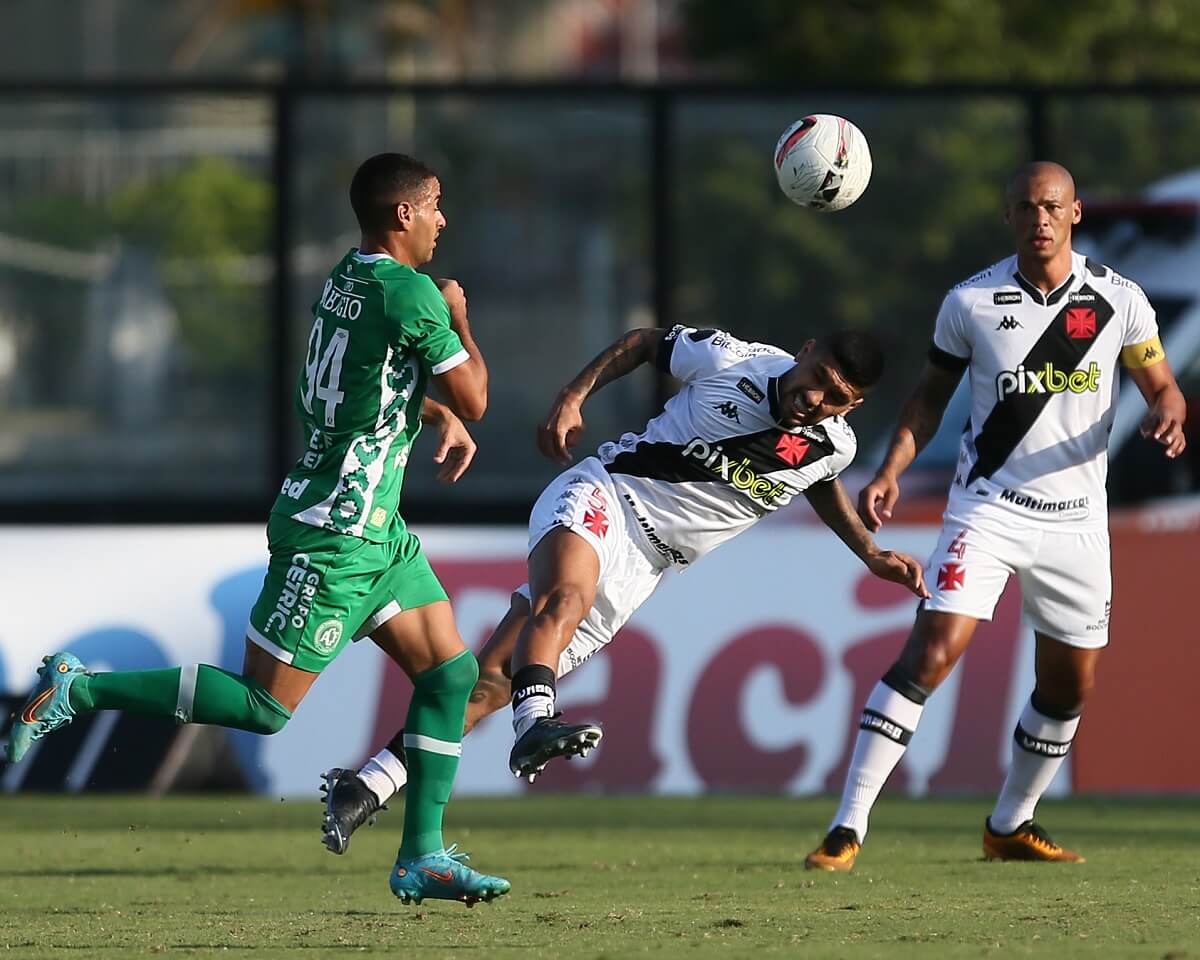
{"points": [[583, 500], [1065, 578]]}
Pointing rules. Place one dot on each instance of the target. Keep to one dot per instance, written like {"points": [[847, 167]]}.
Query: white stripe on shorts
{"points": [[272, 648], [379, 618], [417, 741], [187, 693]]}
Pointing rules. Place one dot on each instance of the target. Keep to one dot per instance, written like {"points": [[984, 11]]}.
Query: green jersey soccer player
{"points": [[343, 564]]}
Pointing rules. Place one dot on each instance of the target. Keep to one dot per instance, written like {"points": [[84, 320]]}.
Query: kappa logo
{"points": [[746, 385], [1008, 323], [951, 576], [728, 409], [1150, 354], [1081, 323], [791, 448], [1006, 297], [327, 636]]}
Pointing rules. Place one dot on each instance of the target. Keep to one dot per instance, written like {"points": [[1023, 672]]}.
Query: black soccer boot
{"points": [[548, 738], [349, 804]]}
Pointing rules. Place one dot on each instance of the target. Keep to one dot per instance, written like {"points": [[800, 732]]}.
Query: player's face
{"points": [[424, 221], [815, 389], [1041, 211]]}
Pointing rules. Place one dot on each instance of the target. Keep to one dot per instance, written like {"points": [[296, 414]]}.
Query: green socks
{"points": [[433, 735], [194, 694]]}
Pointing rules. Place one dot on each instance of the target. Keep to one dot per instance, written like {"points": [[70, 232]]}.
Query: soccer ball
{"points": [[823, 162]]}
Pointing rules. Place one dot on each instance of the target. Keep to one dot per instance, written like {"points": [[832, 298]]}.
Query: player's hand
{"points": [[561, 430], [899, 568], [456, 298], [1164, 423], [456, 449], [876, 501]]}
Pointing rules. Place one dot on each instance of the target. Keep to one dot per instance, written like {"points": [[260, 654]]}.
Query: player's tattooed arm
{"points": [[833, 505], [564, 424], [919, 421]]}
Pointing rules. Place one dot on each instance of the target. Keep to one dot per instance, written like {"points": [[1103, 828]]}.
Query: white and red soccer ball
{"points": [[823, 162]]}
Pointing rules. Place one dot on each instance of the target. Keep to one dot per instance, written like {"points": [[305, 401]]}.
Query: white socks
{"points": [[383, 775], [888, 721], [1040, 744]]}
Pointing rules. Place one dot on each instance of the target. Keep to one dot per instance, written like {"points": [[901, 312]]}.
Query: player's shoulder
{"points": [[993, 280], [1114, 287], [724, 342], [841, 434]]}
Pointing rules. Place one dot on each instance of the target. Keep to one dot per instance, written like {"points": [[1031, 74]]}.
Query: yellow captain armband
{"points": [[1144, 354]]}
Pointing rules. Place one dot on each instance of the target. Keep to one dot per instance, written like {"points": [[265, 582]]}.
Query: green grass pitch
{"points": [[242, 877]]}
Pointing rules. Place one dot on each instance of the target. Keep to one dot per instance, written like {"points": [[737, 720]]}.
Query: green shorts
{"points": [[323, 589]]}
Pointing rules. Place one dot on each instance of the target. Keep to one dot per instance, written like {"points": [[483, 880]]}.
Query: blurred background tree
{"points": [[946, 41]]}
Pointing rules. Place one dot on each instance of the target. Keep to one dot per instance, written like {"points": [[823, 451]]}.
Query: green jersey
{"points": [[380, 330]]}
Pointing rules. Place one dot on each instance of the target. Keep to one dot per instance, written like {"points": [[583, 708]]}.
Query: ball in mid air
{"points": [[823, 162]]}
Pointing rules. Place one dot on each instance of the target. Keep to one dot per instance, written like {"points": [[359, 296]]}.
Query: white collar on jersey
{"points": [[1051, 298], [371, 257]]}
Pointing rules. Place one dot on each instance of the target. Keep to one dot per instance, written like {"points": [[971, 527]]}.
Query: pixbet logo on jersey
{"points": [[1049, 379], [740, 475]]}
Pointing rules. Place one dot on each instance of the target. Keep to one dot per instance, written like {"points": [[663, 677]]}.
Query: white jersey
{"points": [[716, 459], [1043, 375]]}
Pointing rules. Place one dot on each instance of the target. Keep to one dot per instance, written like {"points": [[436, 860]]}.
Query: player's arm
{"points": [[464, 387], [456, 448], [563, 425], [919, 421], [1168, 408], [833, 505]]}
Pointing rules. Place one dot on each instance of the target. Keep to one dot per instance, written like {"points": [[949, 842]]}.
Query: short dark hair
{"points": [[859, 356], [381, 182]]}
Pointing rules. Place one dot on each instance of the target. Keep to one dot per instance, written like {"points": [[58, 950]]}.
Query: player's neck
{"points": [[1046, 275], [389, 245]]}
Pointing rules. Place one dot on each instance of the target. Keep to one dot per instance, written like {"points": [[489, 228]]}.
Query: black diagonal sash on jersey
{"points": [[759, 451], [1012, 417]]}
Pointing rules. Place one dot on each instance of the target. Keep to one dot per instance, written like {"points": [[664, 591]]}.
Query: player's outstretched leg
{"points": [[48, 707], [564, 572], [194, 694], [425, 867]]}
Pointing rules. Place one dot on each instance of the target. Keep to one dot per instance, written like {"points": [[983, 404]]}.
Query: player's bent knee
{"points": [[454, 677], [265, 714]]}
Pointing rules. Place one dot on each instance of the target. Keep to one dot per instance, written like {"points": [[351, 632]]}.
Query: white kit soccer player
{"points": [[1040, 335]]}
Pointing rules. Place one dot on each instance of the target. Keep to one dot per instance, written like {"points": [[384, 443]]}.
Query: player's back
{"points": [[380, 329]]}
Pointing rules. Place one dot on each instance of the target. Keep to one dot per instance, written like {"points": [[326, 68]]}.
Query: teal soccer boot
{"points": [[48, 707], [444, 875]]}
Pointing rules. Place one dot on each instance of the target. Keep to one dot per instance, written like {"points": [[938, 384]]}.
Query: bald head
{"points": [[1045, 172], [1041, 208]]}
